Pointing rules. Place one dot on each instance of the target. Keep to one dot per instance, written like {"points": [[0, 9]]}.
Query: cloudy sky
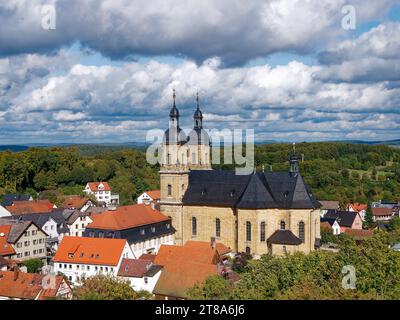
{"points": [[285, 68]]}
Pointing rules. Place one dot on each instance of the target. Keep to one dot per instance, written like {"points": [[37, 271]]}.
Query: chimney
{"points": [[213, 243], [16, 273]]}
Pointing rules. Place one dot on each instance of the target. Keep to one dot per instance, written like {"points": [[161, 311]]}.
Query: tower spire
{"points": [[174, 113], [198, 116], [294, 162]]}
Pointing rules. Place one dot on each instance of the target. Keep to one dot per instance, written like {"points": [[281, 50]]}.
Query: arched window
{"points": [[282, 225], [194, 226], [193, 157], [169, 190], [169, 158], [248, 231], [301, 231], [217, 227], [262, 231], [248, 251]]}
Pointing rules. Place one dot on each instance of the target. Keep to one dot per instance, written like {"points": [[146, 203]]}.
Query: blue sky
{"points": [[284, 68]]}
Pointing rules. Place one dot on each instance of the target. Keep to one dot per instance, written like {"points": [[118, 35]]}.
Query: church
{"points": [[264, 212]]}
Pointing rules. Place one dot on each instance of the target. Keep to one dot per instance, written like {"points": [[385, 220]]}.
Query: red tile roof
{"points": [[6, 249], [74, 202], [148, 256], [94, 186], [21, 285], [126, 217], [382, 211], [154, 194], [26, 207], [358, 206], [221, 248], [97, 251]]}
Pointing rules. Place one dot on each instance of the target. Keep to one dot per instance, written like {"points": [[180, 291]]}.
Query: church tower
{"points": [[180, 155]]}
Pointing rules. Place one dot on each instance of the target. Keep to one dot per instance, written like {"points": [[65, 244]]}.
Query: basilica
{"points": [[264, 212]]}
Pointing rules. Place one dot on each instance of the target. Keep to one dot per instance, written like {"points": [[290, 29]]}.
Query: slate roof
{"points": [[344, 218], [18, 227], [259, 190], [8, 199], [285, 237]]}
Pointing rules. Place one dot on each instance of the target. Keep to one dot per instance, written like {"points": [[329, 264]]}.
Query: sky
{"points": [[288, 69]]}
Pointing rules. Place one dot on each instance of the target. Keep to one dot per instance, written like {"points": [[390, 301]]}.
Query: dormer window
{"points": [[153, 229], [286, 194], [232, 193], [203, 192], [71, 255]]}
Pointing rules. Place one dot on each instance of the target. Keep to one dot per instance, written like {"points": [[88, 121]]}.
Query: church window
{"points": [[262, 231], [284, 249], [282, 225], [169, 190], [248, 231], [193, 157], [194, 226], [217, 227], [301, 231], [169, 158], [248, 251]]}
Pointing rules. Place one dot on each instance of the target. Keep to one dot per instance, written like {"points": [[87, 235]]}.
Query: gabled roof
{"points": [[343, 218], [21, 285], [18, 227], [138, 268], [255, 191], [126, 217], [74, 202], [154, 194], [358, 206], [6, 249], [285, 237], [8, 199], [94, 186], [176, 281], [25, 207], [97, 251]]}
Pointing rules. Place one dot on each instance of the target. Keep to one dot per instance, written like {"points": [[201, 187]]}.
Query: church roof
{"points": [[285, 237], [256, 191]]}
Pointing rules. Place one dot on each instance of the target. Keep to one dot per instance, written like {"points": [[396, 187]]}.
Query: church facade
{"points": [[260, 213]]}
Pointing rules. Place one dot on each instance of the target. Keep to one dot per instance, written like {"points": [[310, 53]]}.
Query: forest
{"points": [[335, 171]]}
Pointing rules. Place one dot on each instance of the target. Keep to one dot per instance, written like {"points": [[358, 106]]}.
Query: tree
{"points": [[102, 287], [33, 265], [368, 216]]}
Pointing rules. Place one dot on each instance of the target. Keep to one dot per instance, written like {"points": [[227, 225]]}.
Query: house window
{"points": [[142, 231], [169, 190], [146, 280], [262, 231], [101, 234], [282, 225], [194, 226], [248, 231], [217, 227], [301, 231], [284, 249]]}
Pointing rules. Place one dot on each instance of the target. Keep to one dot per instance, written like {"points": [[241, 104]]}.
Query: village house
{"points": [[345, 219], [328, 205], [142, 274], [102, 193], [185, 266], [4, 212], [382, 213], [360, 208], [144, 227], [330, 224], [17, 285], [28, 240], [77, 202], [149, 196], [27, 207], [79, 257]]}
